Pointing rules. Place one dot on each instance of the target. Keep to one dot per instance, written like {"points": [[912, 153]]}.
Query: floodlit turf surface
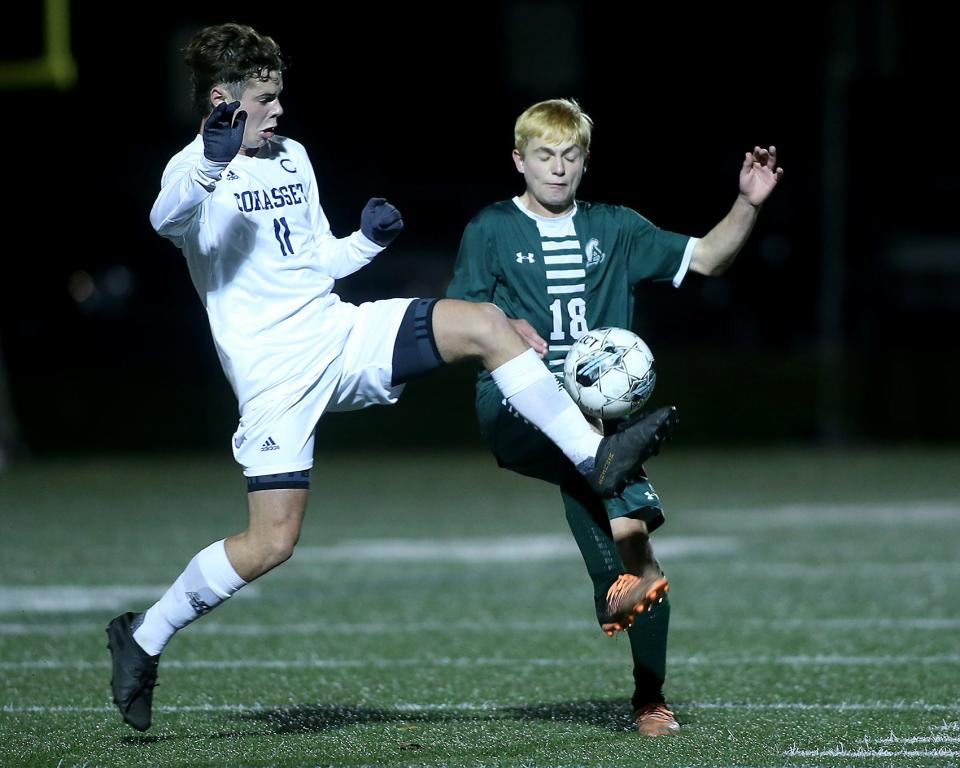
{"points": [[437, 613]]}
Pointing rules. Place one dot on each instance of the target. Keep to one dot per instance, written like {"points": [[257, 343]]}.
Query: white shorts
{"points": [[277, 437]]}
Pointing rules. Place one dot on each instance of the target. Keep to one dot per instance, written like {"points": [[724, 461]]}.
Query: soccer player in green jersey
{"points": [[559, 266]]}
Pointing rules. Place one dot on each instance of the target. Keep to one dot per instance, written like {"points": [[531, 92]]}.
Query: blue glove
{"points": [[380, 221], [223, 132]]}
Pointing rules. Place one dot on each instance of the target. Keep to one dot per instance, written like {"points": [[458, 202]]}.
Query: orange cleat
{"points": [[628, 596], [656, 720]]}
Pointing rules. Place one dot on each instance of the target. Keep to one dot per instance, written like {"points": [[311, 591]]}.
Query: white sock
{"points": [[207, 581], [537, 395]]}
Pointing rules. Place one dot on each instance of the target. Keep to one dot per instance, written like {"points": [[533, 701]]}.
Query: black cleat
{"points": [[620, 456], [134, 673]]}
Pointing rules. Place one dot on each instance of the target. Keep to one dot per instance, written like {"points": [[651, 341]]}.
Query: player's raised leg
{"points": [[475, 330]]}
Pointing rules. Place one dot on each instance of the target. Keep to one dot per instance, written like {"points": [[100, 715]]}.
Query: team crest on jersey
{"points": [[593, 253]]}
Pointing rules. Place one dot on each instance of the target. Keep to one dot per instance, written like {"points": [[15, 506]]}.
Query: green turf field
{"points": [[437, 613]]}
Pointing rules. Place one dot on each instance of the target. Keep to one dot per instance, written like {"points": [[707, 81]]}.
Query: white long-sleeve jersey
{"points": [[263, 260]]}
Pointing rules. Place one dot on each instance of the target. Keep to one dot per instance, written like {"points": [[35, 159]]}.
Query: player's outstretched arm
{"points": [[380, 222], [759, 176], [191, 181], [223, 132]]}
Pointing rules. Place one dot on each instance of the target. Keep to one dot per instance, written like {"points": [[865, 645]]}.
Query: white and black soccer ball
{"points": [[609, 373]]}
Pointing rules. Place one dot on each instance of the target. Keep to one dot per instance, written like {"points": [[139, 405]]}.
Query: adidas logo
{"points": [[231, 176], [197, 603], [269, 445]]}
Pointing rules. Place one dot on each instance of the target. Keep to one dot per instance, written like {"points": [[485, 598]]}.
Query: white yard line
{"points": [[849, 571], [479, 626], [469, 662], [69, 598], [869, 753], [489, 706], [935, 738], [899, 514], [497, 549], [845, 706], [872, 746]]}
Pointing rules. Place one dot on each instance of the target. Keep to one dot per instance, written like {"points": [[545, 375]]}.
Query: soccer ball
{"points": [[609, 372]]}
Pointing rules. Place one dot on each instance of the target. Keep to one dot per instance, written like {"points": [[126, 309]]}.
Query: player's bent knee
{"points": [[276, 546], [276, 517], [490, 328], [469, 329], [282, 549]]}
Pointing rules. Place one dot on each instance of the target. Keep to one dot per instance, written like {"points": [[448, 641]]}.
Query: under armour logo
{"points": [[651, 496], [521, 257]]}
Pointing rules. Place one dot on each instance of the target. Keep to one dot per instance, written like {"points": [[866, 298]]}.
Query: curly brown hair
{"points": [[231, 54]]}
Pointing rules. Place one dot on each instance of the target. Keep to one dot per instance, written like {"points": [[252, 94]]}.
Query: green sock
{"points": [[648, 644], [588, 522]]}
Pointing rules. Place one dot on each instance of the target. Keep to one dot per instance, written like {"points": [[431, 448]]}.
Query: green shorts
{"points": [[519, 446]]}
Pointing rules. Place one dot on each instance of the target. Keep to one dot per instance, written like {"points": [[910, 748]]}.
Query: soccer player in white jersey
{"points": [[241, 203]]}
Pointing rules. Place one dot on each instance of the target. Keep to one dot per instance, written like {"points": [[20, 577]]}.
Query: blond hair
{"points": [[556, 121]]}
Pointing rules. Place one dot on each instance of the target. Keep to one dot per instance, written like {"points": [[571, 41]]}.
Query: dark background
{"points": [[838, 324]]}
